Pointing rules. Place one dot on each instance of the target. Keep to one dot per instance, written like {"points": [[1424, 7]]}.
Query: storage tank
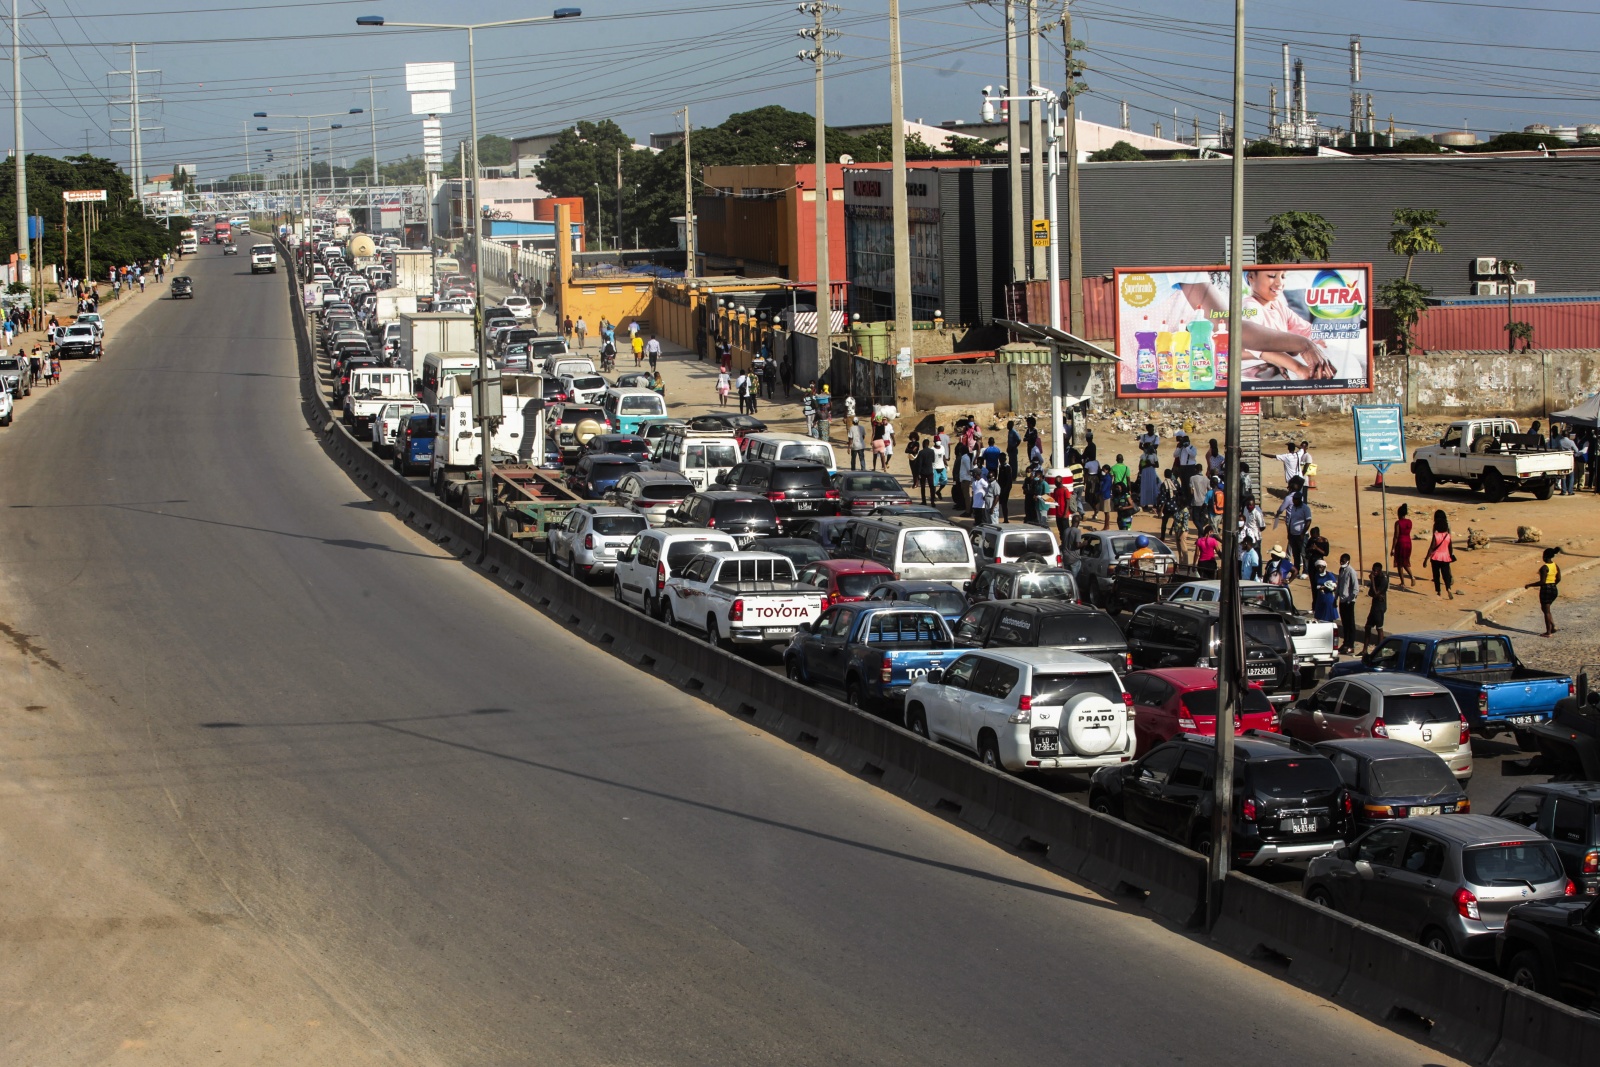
{"points": [[1589, 129], [1455, 138], [1565, 133], [1537, 127], [361, 247]]}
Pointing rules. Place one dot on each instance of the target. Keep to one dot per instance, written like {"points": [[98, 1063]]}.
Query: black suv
{"points": [[797, 488], [1024, 581], [1044, 624], [1288, 801], [1568, 813], [1185, 634], [744, 515], [1553, 947], [182, 286]]}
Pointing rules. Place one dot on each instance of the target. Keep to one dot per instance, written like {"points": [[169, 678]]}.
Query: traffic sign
{"points": [[1380, 434], [1041, 233]]}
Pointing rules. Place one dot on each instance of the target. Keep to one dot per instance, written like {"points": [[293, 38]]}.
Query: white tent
{"points": [[1586, 414]]}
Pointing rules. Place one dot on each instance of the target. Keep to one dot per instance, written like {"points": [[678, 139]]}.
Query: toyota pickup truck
{"points": [[1493, 455], [740, 598], [1315, 643], [873, 653], [80, 342], [1491, 686]]}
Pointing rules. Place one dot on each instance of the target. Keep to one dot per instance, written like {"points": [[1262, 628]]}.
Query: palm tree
{"points": [[1293, 237], [1415, 233]]}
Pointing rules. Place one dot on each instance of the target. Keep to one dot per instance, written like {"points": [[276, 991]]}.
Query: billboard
{"points": [[1307, 329]]}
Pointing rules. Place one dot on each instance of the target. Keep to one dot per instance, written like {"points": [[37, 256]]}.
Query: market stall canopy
{"points": [[1586, 414]]}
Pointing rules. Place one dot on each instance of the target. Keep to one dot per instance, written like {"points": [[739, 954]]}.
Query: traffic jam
{"points": [[1088, 667]]}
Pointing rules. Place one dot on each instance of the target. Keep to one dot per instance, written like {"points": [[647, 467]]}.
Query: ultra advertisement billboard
{"points": [[1307, 329]]}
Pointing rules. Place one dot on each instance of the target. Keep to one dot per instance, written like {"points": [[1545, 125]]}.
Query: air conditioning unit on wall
{"points": [[1525, 287], [1486, 289], [1485, 267]]}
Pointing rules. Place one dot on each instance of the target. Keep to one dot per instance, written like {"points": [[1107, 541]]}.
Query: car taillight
{"points": [[736, 613], [1572, 689], [1466, 733], [776, 498], [1483, 703], [1466, 903], [886, 670], [1024, 712], [1591, 861], [661, 576], [711, 523], [1127, 661], [1379, 728], [831, 494], [1349, 805], [1248, 809], [1380, 811], [1186, 724], [824, 605], [1571, 890], [831, 598], [588, 540]]}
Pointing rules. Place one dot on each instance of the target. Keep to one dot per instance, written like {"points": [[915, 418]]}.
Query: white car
{"points": [[590, 539], [1033, 709], [520, 306], [642, 569], [584, 388], [92, 318], [740, 598], [386, 423], [7, 407]]}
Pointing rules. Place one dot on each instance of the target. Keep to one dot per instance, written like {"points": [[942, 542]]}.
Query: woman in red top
{"points": [[1441, 554], [1205, 553], [1401, 548]]}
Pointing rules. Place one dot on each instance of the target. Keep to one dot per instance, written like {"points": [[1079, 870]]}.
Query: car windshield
{"points": [[743, 510], [1420, 708], [618, 525], [1089, 628], [1121, 546], [817, 453], [898, 628], [1305, 777], [1054, 690], [10, 363], [1029, 544], [1269, 632], [642, 405], [635, 446], [544, 349], [422, 429], [1203, 702], [937, 546], [681, 552], [856, 584], [869, 483], [671, 491], [1513, 863], [577, 415], [1274, 598], [944, 601], [1412, 776], [1045, 587], [805, 478]]}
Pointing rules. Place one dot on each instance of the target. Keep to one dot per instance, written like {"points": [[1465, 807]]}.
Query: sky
{"points": [[1432, 64]]}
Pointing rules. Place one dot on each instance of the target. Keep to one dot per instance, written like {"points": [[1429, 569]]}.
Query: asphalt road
{"points": [[479, 839]]}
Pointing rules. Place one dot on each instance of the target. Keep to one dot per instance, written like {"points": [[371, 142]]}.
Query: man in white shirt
{"points": [[1290, 458]]}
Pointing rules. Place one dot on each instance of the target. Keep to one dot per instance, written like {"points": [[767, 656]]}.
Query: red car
{"points": [[1183, 700], [846, 579]]}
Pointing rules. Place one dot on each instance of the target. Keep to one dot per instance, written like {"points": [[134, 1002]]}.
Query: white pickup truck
{"points": [[1493, 455], [371, 390], [740, 598], [386, 423], [1315, 643]]}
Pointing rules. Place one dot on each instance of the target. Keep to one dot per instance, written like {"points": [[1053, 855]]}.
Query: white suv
{"points": [[1022, 709], [588, 542], [640, 576]]}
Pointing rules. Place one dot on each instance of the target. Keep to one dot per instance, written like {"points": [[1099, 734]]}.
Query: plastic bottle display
{"points": [[1180, 359], [1146, 375], [1202, 365], [1164, 379], [1219, 352]]}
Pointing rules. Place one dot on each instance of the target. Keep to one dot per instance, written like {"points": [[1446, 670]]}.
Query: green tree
{"points": [[1295, 237], [958, 147], [1406, 301], [1121, 152], [180, 179], [123, 234], [1415, 233], [1416, 145], [1517, 141], [493, 151], [1520, 332], [1266, 148]]}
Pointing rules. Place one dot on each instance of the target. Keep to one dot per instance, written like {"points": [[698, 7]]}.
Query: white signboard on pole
{"points": [[430, 77]]}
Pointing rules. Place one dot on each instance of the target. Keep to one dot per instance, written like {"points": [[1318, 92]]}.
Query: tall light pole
{"points": [[296, 197], [334, 126], [23, 271], [900, 207], [306, 205], [372, 113], [485, 420]]}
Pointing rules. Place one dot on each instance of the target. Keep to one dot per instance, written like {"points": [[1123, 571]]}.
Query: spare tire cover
{"points": [[586, 429], [1093, 725]]}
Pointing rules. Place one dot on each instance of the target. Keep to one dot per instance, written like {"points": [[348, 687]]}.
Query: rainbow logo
{"points": [[1332, 296]]}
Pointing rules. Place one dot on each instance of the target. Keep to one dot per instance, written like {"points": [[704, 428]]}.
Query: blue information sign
{"points": [[1380, 434]]}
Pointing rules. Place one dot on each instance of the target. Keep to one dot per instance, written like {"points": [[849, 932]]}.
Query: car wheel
{"points": [[1426, 483], [1321, 898], [852, 695], [1202, 844], [1437, 940], [1527, 971], [1495, 488], [1544, 490], [989, 750], [917, 720], [793, 670], [714, 636], [667, 616], [572, 568], [616, 589]]}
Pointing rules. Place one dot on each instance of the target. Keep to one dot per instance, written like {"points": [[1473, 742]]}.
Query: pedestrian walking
{"points": [[652, 352], [723, 385], [880, 459], [1349, 587], [1548, 584], [980, 497], [1004, 479], [1061, 508], [1324, 593], [887, 437], [941, 472], [1441, 553], [581, 328], [742, 389], [566, 329], [1377, 607], [855, 436], [808, 408], [1249, 561], [769, 374], [961, 495], [786, 375], [1400, 549], [922, 473], [1206, 547]]}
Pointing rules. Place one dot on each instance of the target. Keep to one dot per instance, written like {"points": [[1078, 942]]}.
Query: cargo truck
{"points": [[423, 332]]}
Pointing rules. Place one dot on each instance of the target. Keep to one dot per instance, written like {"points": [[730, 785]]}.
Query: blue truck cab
{"points": [[1493, 688], [871, 651]]}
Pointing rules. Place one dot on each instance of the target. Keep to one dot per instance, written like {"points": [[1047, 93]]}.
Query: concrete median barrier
{"points": [[1260, 920], [1540, 1032], [1121, 856]]}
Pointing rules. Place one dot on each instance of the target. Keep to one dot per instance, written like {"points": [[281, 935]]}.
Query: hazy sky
{"points": [[1431, 63]]}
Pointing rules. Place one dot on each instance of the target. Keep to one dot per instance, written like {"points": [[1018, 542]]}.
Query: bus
{"points": [[188, 242]]}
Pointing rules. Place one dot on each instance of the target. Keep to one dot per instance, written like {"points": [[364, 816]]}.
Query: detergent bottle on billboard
{"points": [[1202, 365], [1164, 360], [1180, 359], [1146, 376], [1219, 352]]}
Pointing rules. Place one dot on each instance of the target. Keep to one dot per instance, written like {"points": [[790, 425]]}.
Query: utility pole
{"points": [[23, 272], [688, 202], [372, 112], [904, 384], [1074, 67], [136, 127], [1019, 220], [817, 55], [619, 198], [1036, 141]]}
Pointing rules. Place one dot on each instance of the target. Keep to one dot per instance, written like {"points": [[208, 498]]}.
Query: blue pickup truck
{"points": [[1492, 687], [873, 652]]}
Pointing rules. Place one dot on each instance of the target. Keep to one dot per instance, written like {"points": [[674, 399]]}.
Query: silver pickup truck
{"points": [[1492, 455], [1315, 643]]}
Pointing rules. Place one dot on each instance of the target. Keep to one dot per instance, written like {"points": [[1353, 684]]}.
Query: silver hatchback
{"points": [[1446, 881], [587, 543]]}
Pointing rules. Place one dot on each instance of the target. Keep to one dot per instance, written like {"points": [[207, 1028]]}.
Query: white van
{"points": [[915, 548], [438, 366], [444, 266], [699, 457], [771, 447], [520, 431]]}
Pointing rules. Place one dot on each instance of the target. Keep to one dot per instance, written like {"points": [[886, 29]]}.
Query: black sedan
{"points": [[619, 444], [863, 492], [182, 287]]}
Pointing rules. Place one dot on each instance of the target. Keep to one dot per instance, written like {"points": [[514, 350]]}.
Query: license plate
{"points": [[1427, 809], [1298, 826], [781, 631], [1046, 746], [1264, 670], [1525, 720], [804, 505]]}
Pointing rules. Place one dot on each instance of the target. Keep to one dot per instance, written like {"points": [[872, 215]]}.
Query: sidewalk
{"points": [[65, 310]]}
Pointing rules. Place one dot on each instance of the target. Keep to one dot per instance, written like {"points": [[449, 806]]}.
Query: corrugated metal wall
{"points": [[1544, 213], [1099, 305], [1483, 329]]}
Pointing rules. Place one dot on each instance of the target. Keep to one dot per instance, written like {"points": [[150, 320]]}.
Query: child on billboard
{"points": [[1265, 306]]}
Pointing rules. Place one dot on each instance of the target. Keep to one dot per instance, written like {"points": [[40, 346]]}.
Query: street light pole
{"points": [[23, 273]]}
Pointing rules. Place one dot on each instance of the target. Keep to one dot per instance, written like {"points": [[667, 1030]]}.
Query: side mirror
{"points": [[804, 627], [721, 479], [1346, 853], [936, 675]]}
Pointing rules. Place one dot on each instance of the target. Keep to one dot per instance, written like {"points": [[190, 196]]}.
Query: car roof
{"points": [[850, 566], [729, 494], [1018, 567], [907, 522], [1374, 747], [920, 585], [1257, 748], [1046, 657], [1395, 683], [1473, 829], [687, 533], [1186, 679], [607, 510], [661, 476], [1046, 607], [1581, 790], [793, 464]]}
